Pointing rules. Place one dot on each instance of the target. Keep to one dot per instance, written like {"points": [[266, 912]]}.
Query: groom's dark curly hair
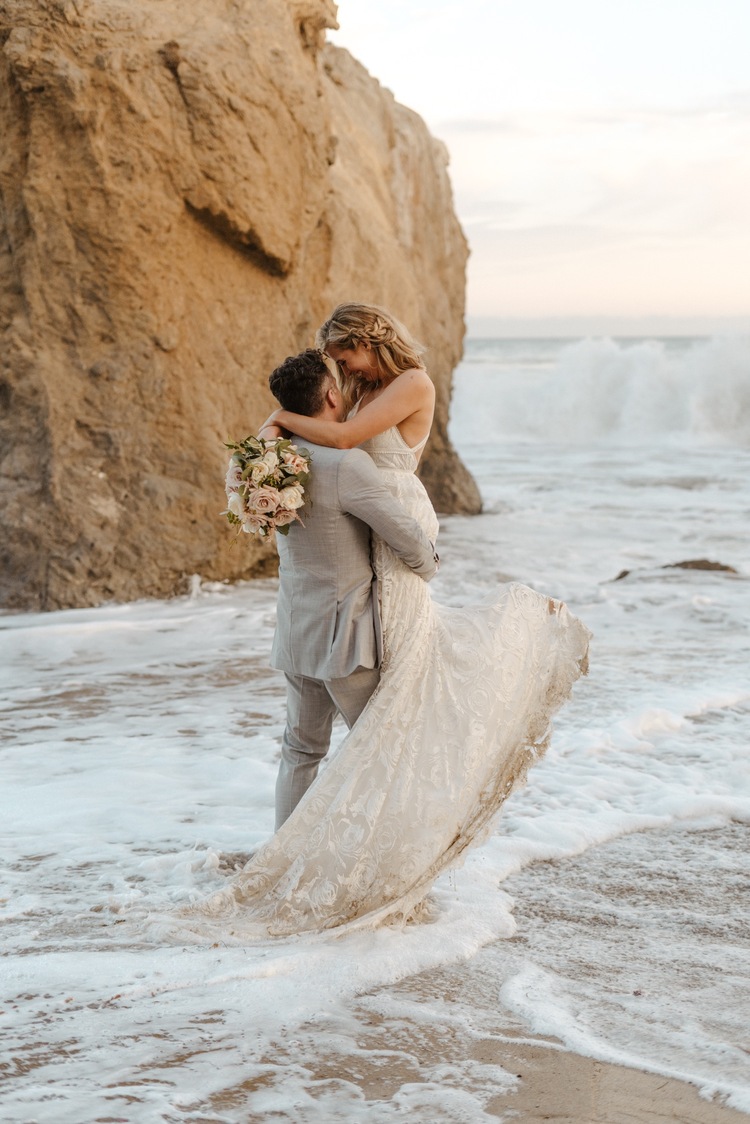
{"points": [[299, 383]]}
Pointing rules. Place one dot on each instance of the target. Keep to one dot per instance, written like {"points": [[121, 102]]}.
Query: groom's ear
{"points": [[332, 395]]}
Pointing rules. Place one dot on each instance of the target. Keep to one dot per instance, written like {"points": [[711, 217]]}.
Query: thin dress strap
{"points": [[420, 446]]}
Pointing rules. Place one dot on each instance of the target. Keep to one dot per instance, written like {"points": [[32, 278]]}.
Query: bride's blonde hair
{"points": [[394, 348]]}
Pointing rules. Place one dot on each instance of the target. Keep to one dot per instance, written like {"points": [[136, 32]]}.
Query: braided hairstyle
{"points": [[394, 348]]}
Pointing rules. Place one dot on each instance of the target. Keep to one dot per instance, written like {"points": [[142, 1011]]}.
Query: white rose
{"points": [[292, 497], [253, 523], [234, 476], [236, 505]]}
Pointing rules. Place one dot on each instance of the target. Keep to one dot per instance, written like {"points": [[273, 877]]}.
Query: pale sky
{"points": [[600, 149]]}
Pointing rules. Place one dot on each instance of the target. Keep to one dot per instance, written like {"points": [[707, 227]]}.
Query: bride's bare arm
{"points": [[411, 395]]}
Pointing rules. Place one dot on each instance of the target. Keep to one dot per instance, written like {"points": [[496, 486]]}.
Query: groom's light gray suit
{"points": [[327, 637]]}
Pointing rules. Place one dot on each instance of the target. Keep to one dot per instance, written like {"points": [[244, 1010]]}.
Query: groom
{"points": [[327, 639]]}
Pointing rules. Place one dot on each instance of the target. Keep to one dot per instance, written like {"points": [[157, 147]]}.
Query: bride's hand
{"points": [[272, 421], [271, 429]]}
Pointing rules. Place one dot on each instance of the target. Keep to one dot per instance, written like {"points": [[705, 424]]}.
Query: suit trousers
{"points": [[311, 706]]}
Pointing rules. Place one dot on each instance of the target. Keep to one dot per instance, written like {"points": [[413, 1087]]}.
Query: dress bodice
{"points": [[389, 450]]}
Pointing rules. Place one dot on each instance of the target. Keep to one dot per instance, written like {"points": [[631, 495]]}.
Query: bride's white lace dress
{"points": [[462, 709]]}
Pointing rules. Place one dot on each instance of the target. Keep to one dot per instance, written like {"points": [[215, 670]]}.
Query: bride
{"points": [[462, 708]]}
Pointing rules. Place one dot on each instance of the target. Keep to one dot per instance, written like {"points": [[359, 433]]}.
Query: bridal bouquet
{"points": [[265, 485]]}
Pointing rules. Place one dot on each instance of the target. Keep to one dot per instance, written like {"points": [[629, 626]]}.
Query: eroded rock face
{"points": [[185, 193]]}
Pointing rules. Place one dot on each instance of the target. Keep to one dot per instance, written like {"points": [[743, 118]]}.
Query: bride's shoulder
{"points": [[416, 380]]}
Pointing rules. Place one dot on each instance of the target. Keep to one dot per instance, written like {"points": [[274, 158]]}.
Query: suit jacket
{"points": [[327, 615]]}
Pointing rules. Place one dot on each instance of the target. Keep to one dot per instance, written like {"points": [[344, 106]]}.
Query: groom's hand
{"points": [[436, 556]]}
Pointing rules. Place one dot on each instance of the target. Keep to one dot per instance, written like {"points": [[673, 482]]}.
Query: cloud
{"points": [[647, 171]]}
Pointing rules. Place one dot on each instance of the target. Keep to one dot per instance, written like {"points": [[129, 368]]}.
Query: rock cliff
{"points": [[185, 193]]}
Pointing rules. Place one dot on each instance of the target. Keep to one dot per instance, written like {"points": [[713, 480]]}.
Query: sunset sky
{"points": [[600, 152]]}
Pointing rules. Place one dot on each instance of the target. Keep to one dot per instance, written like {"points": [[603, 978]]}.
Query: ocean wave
{"points": [[594, 389]]}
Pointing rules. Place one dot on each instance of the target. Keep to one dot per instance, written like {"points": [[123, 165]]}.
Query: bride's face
{"points": [[357, 360]]}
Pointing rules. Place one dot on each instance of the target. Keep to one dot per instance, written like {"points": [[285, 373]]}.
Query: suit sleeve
{"points": [[363, 494]]}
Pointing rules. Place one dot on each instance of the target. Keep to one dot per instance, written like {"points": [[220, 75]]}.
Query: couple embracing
{"points": [[446, 707]]}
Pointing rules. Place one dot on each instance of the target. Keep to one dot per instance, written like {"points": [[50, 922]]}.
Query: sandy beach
{"points": [[568, 1089], [555, 1085]]}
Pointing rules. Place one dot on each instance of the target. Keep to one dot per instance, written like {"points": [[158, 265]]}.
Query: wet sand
{"points": [[551, 1084], [567, 1089]]}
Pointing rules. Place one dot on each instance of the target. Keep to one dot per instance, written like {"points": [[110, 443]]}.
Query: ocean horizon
{"points": [[618, 327]]}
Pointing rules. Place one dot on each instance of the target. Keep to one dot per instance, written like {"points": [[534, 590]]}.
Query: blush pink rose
{"points": [[262, 499], [294, 461]]}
